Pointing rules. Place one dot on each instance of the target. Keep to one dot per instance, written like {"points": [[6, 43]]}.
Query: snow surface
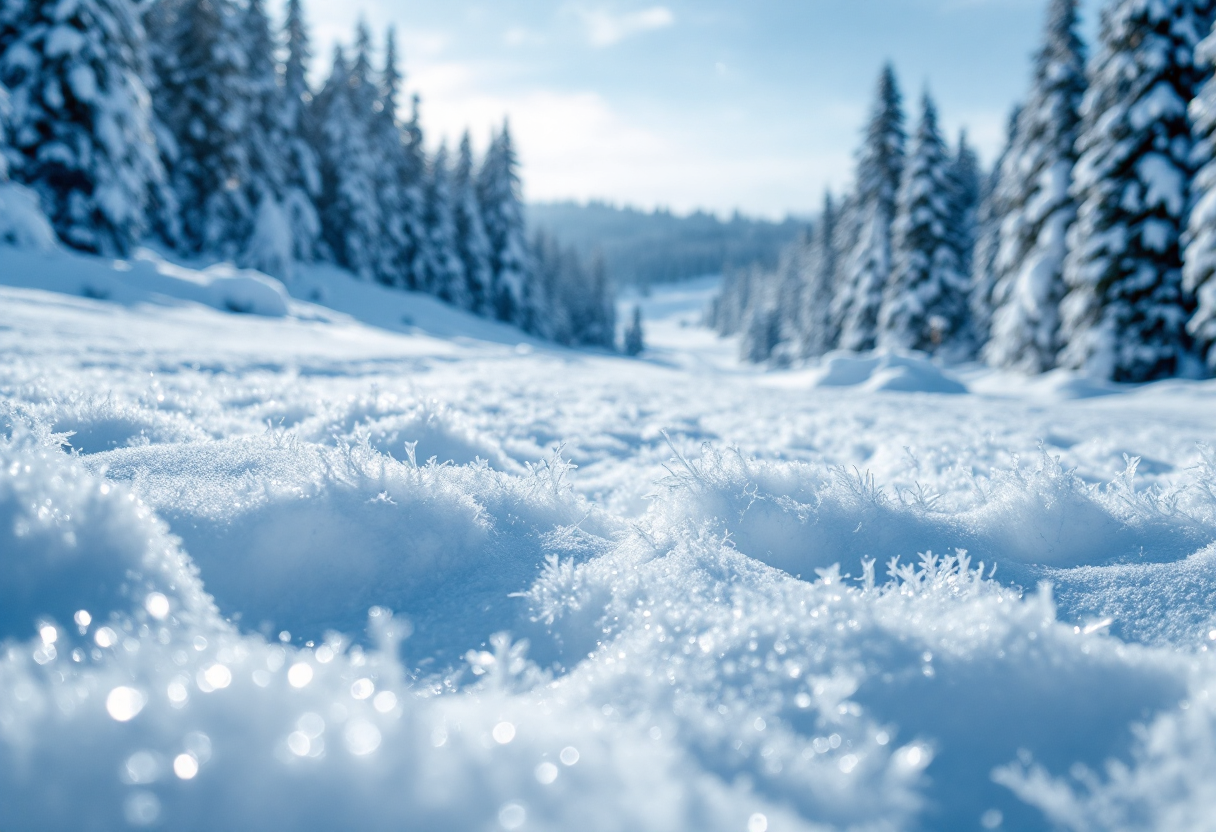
{"points": [[361, 561]]}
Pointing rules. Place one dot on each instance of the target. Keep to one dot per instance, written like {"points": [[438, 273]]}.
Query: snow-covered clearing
{"points": [[242, 598]]}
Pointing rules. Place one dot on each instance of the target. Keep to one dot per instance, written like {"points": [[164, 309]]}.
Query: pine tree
{"points": [[557, 271], [924, 306], [442, 271], [599, 328], [204, 100], [271, 245], [965, 178], [1200, 240], [80, 117], [303, 174], [349, 210], [498, 191], [472, 245], [983, 298], [635, 337], [5, 114], [1034, 188], [401, 173], [879, 170], [817, 331], [1124, 315]]}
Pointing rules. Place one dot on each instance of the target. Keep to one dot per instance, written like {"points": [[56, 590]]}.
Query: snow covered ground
{"points": [[358, 561]]}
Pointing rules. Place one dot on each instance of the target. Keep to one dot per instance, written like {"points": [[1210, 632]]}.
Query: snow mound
{"points": [[306, 538], [885, 372], [247, 292], [22, 222], [406, 428], [71, 542]]}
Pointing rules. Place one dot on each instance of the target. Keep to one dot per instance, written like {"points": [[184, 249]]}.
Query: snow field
{"points": [[764, 642]]}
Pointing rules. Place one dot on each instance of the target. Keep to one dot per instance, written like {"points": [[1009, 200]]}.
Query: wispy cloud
{"points": [[606, 29]]}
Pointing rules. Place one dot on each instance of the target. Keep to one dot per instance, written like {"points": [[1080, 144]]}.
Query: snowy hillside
{"points": [[395, 567]]}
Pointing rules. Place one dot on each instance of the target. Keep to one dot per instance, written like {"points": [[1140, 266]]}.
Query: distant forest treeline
{"points": [[646, 247]]}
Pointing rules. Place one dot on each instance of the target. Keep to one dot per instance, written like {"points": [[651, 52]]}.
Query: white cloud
{"points": [[606, 29]]}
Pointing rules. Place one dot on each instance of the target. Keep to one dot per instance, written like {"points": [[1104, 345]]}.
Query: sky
{"points": [[722, 105]]}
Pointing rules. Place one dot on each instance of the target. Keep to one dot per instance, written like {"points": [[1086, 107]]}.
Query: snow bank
{"points": [[911, 373], [147, 278]]}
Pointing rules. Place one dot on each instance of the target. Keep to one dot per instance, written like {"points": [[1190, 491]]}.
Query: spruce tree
{"points": [[498, 191], [442, 271], [350, 213], [635, 337], [303, 175], [1200, 240], [270, 246], [988, 231], [879, 169], [924, 306], [400, 178], [1035, 179], [205, 101], [5, 150], [80, 121], [599, 327], [817, 331], [1124, 314], [558, 272], [472, 245], [965, 177]]}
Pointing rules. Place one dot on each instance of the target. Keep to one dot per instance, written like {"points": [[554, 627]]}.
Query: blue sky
{"points": [[689, 104]]}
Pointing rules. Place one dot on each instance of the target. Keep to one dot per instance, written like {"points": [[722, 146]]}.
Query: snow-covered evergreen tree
{"points": [[879, 169], [635, 336], [598, 321], [350, 212], [270, 246], [472, 245], [576, 302], [817, 335], [400, 179], [965, 175], [6, 150], [987, 244], [761, 332], [1199, 257], [727, 311], [302, 182], [1124, 315], [205, 100], [925, 303], [1034, 185], [498, 192], [441, 269], [80, 121]]}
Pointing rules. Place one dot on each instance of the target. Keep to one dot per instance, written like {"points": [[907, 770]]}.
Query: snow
{"points": [[22, 223], [601, 593]]}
